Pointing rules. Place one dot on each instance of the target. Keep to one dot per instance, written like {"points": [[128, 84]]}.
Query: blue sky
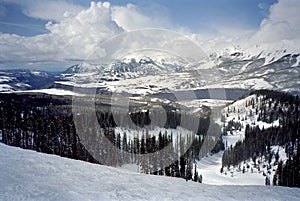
{"points": [[13, 20], [195, 15]]}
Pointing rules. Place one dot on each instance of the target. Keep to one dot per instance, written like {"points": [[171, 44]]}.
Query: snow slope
{"points": [[210, 167], [5, 88], [28, 175], [234, 119], [244, 114], [53, 91]]}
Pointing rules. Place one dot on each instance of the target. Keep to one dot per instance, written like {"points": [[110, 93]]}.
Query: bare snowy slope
{"points": [[27, 175]]}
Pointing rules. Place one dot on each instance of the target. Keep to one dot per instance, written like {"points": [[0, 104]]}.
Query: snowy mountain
{"points": [[148, 75], [37, 176], [257, 73], [151, 74], [18, 80]]}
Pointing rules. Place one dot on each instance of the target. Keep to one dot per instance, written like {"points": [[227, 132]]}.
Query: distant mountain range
{"points": [[147, 75]]}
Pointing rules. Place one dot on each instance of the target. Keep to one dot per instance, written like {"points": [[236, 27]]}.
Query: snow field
{"points": [[28, 175]]}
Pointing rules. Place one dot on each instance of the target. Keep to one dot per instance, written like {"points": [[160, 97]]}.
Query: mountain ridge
{"points": [[232, 70]]}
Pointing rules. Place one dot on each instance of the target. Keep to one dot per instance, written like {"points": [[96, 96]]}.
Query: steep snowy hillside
{"points": [[239, 114], [258, 137], [28, 175], [262, 66], [234, 118], [255, 73]]}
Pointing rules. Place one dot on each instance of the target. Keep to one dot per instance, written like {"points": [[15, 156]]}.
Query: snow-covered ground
{"points": [[136, 85], [210, 168], [241, 112], [251, 83], [244, 114], [196, 104], [297, 62], [5, 88], [52, 91], [28, 175]]}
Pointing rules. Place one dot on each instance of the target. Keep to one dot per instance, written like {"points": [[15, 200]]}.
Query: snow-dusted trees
{"points": [[258, 141]]}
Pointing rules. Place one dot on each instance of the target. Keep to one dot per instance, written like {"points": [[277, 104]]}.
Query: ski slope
{"points": [[210, 167], [28, 175]]}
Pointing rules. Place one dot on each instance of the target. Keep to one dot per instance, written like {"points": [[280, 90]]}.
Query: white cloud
{"points": [[79, 34], [73, 38], [132, 17], [279, 31], [283, 22], [129, 18]]}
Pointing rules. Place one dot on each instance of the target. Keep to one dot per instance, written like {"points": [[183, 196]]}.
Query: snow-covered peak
{"points": [[270, 52], [161, 58]]}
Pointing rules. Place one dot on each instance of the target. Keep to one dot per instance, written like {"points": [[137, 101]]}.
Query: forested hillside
{"points": [[263, 137]]}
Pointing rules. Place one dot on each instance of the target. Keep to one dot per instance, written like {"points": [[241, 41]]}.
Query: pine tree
{"points": [[200, 178], [196, 178], [189, 166], [267, 180], [275, 179]]}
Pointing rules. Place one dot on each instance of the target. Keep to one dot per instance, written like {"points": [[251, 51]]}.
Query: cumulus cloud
{"points": [[73, 37], [131, 17], [283, 22], [80, 34]]}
